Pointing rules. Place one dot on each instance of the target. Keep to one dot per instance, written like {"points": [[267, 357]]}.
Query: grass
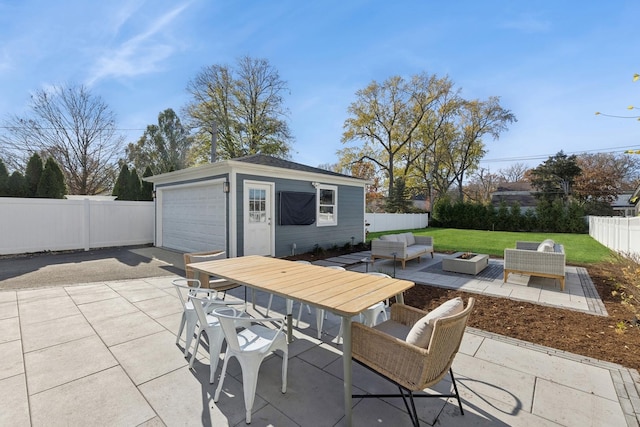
{"points": [[579, 248]]}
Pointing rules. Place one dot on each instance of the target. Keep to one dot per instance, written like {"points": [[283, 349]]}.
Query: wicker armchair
{"points": [[206, 281], [410, 367], [527, 259]]}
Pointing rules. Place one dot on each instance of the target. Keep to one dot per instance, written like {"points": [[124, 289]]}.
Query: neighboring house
{"points": [[421, 202], [635, 199], [257, 205], [622, 205], [512, 192]]}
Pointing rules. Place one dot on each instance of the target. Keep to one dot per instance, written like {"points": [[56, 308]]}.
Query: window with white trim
{"points": [[327, 203]]}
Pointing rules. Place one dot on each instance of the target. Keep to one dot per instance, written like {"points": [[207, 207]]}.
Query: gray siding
{"points": [[350, 218]]}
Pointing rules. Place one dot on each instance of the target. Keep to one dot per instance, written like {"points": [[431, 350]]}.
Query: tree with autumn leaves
{"points": [[421, 130]]}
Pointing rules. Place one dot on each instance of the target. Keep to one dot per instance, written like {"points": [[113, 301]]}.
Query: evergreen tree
{"points": [[147, 187], [515, 217], [33, 173], [502, 217], [134, 186], [51, 183], [398, 200], [120, 187], [554, 178], [4, 177], [16, 185]]}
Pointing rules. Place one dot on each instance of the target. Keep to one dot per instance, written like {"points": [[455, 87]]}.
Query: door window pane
{"points": [[257, 205]]}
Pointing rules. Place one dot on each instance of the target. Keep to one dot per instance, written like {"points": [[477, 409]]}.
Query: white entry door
{"points": [[258, 219]]}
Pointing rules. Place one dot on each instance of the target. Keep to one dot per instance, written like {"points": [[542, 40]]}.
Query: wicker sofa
{"points": [[542, 259], [402, 247]]}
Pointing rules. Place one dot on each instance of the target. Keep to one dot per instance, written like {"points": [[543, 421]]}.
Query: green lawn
{"points": [[579, 248]]}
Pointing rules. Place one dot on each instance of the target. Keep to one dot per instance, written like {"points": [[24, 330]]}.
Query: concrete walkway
{"points": [[104, 353]]}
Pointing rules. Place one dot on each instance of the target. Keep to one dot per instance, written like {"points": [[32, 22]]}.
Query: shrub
{"points": [[629, 289], [548, 217]]}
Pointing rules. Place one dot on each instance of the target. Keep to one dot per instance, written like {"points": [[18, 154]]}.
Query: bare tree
{"points": [[246, 107], [481, 185], [514, 173], [77, 129]]}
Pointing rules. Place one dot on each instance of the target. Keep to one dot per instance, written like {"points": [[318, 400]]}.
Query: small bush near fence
{"points": [[629, 288], [547, 217]]}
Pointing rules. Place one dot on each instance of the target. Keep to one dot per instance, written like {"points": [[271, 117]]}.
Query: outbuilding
{"points": [[257, 205]]}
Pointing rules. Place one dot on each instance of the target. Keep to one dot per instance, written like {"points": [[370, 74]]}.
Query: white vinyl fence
{"points": [[617, 233], [393, 221], [35, 225]]}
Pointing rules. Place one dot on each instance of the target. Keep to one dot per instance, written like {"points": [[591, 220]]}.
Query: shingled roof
{"points": [[263, 159], [512, 192]]}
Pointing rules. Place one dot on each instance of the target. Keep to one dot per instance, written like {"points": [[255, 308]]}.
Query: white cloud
{"points": [[528, 24], [140, 54]]}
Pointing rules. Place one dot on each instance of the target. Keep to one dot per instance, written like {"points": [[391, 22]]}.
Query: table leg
{"points": [[289, 327], [400, 298], [346, 361]]}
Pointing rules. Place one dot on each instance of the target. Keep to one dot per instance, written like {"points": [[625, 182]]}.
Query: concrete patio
{"points": [[104, 353]]}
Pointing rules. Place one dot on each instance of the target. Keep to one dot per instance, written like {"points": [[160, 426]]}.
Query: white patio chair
{"points": [[210, 325], [289, 302], [320, 313], [370, 316], [185, 288], [250, 346]]}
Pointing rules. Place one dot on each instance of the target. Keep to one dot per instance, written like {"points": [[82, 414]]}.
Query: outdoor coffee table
{"points": [[472, 265]]}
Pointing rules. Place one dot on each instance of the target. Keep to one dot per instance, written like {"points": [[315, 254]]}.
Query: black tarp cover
{"points": [[297, 208]]}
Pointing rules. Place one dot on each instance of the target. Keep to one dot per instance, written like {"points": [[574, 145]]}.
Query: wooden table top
{"points": [[345, 293]]}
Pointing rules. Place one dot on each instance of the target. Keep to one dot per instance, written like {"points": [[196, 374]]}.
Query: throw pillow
{"points": [[411, 240], [545, 247], [420, 333], [389, 237]]}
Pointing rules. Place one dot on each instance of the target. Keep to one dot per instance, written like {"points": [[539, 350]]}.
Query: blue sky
{"points": [[552, 63]]}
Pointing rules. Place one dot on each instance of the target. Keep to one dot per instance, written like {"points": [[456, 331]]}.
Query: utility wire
{"points": [[545, 156]]}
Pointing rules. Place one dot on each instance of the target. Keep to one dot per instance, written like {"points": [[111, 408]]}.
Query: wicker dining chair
{"points": [[219, 285], [384, 350]]}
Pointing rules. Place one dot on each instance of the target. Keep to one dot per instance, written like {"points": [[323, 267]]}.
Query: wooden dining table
{"points": [[344, 293]]}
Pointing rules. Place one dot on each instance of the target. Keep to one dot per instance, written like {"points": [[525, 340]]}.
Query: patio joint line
{"points": [[630, 377]]}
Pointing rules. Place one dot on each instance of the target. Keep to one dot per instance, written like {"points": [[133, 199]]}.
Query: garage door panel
{"points": [[194, 218]]}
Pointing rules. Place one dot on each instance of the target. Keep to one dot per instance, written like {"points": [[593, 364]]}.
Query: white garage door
{"points": [[193, 218]]}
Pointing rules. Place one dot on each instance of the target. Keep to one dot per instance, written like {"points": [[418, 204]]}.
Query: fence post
{"points": [[86, 224]]}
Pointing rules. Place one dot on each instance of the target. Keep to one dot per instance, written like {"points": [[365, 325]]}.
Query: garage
{"points": [[193, 217], [237, 205]]}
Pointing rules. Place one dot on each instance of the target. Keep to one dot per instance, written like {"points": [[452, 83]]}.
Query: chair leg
{"points": [[216, 396], [195, 349], [215, 345], [455, 389], [250, 371], [192, 321], [413, 413], [269, 305], [181, 328]]}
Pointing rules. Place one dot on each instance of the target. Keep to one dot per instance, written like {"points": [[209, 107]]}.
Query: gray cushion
{"points": [[394, 329]]}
